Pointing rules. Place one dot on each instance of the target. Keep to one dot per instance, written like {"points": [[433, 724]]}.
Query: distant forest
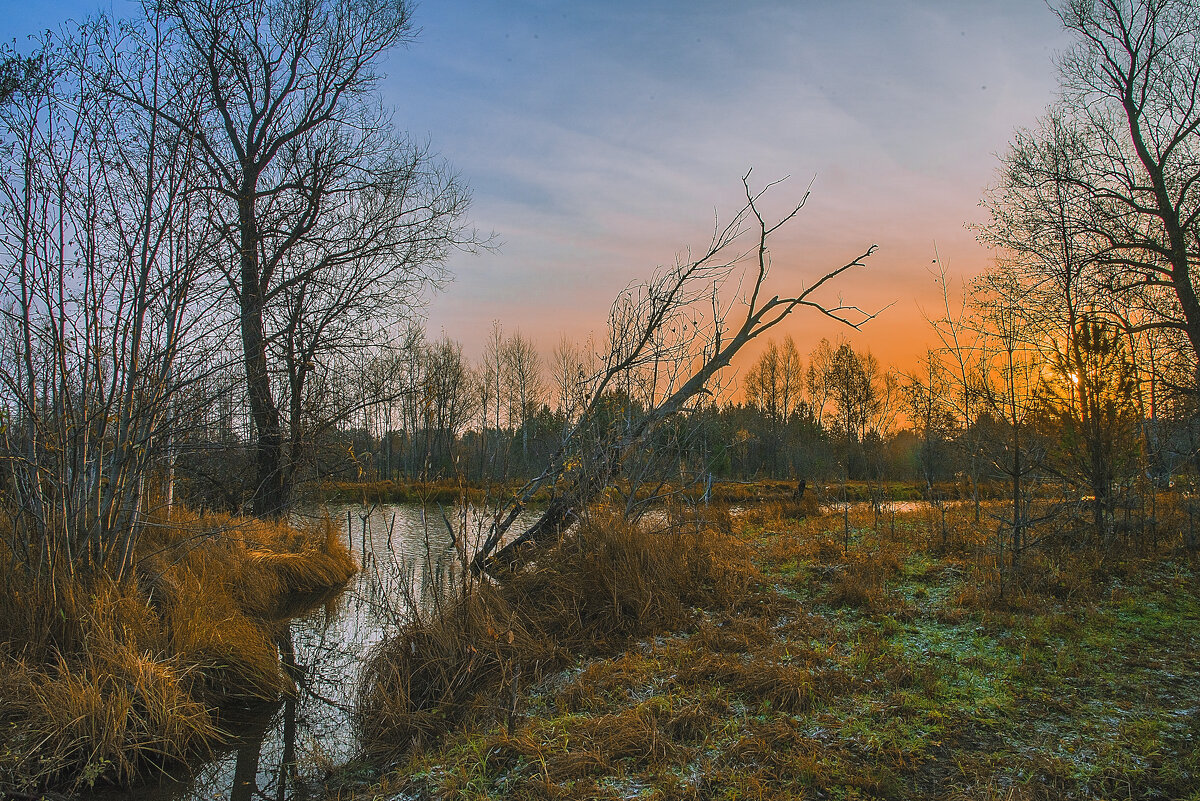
{"points": [[833, 415]]}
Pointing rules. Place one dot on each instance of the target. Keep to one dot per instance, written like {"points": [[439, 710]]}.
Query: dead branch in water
{"points": [[667, 340]]}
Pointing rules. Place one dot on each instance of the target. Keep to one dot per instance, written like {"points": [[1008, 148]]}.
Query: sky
{"points": [[601, 139]]}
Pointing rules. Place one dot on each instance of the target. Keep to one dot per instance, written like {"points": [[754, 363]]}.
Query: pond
{"points": [[280, 751]]}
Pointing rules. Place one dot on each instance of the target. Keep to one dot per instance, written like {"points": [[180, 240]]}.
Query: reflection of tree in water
{"points": [[410, 562], [288, 774], [273, 737], [245, 771]]}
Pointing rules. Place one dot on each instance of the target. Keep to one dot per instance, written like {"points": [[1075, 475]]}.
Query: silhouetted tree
{"points": [[928, 399], [1131, 166], [525, 385], [1007, 396], [1089, 397], [774, 386], [332, 222]]}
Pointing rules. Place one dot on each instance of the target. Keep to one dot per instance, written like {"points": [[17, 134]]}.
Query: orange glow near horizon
{"points": [[899, 282]]}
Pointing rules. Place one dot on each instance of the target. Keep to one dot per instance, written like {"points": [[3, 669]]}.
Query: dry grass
{"points": [[388, 491], [100, 681], [723, 493], [883, 664], [784, 687], [596, 590]]}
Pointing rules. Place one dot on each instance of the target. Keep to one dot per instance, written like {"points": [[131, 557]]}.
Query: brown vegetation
{"points": [[424, 492], [100, 680], [896, 662], [591, 594]]}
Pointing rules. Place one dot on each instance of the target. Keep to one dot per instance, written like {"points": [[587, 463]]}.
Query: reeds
{"points": [[100, 681]]}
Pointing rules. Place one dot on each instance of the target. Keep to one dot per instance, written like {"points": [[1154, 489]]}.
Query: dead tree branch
{"points": [[668, 340]]}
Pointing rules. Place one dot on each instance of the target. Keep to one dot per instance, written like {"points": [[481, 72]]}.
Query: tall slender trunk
{"points": [[1018, 531], [270, 489]]}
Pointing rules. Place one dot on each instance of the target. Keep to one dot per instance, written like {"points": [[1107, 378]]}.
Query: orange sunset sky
{"points": [[600, 138]]}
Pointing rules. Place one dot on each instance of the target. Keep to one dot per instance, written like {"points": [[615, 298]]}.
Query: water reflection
{"points": [[409, 556]]}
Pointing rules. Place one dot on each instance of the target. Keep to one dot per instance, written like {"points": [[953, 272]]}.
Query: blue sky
{"points": [[601, 138]]}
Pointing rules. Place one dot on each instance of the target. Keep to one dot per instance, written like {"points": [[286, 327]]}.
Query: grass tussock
{"points": [[101, 681], [608, 583]]}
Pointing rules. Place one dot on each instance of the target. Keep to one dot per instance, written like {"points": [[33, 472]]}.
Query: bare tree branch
{"points": [[668, 340]]}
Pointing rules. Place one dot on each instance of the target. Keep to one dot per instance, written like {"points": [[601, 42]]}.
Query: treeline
{"points": [[1002, 409], [969, 420], [501, 419]]}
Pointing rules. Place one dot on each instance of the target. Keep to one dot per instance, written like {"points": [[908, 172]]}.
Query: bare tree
{"points": [[859, 401], [1039, 219], [967, 371], [411, 376], [526, 386], [571, 368], [928, 399], [667, 341], [854, 382], [332, 222], [101, 300], [774, 386], [1130, 86], [816, 378], [380, 390], [1057, 269], [1008, 392], [491, 387], [448, 400]]}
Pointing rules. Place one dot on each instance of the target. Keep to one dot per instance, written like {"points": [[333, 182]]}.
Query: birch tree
{"points": [[103, 297]]}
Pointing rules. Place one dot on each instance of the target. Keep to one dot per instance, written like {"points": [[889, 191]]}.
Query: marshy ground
{"points": [[804, 664], [105, 683]]}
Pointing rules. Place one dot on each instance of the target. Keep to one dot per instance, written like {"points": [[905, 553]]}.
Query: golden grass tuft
{"points": [[692, 722], [604, 684], [100, 681], [103, 710], [733, 635], [233, 652], [861, 580], [783, 687]]}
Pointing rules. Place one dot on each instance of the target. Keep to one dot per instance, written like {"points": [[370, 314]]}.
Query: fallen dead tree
{"points": [[668, 339]]}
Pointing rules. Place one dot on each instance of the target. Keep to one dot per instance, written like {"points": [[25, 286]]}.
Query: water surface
{"points": [[281, 750]]}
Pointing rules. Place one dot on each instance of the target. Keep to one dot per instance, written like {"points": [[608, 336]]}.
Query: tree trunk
{"points": [[270, 491], [573, 492], [636, 322]]}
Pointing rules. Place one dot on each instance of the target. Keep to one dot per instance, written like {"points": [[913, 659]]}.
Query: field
{"points": [[893, 663]]}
